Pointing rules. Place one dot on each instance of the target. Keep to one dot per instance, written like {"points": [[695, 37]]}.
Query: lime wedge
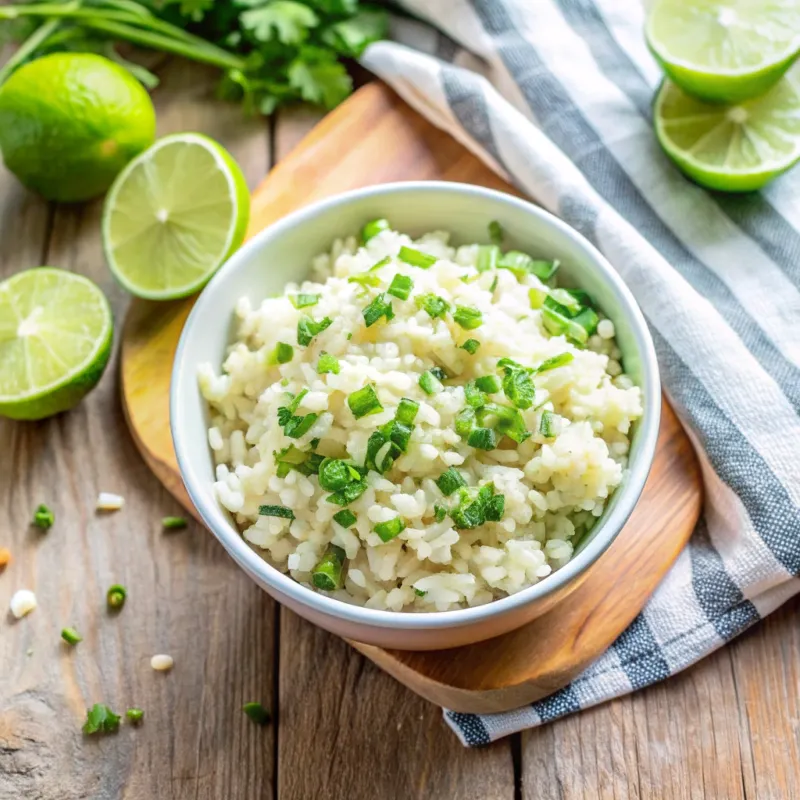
{"points": [[55, 340], [736, 148], [724, 50], [173, 216]]}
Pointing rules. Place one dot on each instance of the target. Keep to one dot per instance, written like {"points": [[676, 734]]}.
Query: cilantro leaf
{"points": [[319, 78], [287, 20]]}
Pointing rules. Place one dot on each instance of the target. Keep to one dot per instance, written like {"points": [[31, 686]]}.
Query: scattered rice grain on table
{"points": [[554, 484]]}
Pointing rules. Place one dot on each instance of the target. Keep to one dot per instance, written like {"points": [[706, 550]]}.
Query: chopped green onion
{"points": [[507, 420], [282, 354], [566, 299], [495, 507], [71, 636], [43, 517], [488, 384], [416, 258], [400, 286], [429, 383], [115, 597], [488, 257], [465, 421], [421, 592], [494, 284], [434, 305], [327, 574], [345, 518], [536, 297], [303, 300], [398, 433], [547, 424], [542, 269], [379, 307], [335, 474], [450, 480], [388, 530], [382, 263], [407, 411], [556, 361], [381, 452], [100, 719], [297, 426], [521, 264], [496, 232], [347, 495], [257, 713], [276, 511], [471, 346], [470, 511], [174, 523], [482, 439], [439, 512], [327, 363], [587, 320], [365, 279], [439, 373], [517, 383], [364, 401], [558, 320], [135, 715], [308, 328], [292, 458], [373, 228], [468, 318], [473, 395], [294, 403]]}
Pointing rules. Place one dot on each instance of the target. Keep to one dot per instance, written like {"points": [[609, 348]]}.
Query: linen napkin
{"points": [[555, 96]]}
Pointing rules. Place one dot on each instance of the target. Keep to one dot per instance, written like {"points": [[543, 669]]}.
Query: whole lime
{"points": [[69, 122]]}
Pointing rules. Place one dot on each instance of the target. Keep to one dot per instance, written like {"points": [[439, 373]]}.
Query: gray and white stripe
{"points": [[558, 100]]}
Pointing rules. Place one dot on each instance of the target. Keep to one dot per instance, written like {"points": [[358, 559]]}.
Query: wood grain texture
{"points": [[185, 597], [544, 655]]}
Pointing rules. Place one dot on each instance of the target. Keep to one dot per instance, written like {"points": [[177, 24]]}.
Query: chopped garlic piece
{"points": [[22, 603], [161, 662], [109, 502]]}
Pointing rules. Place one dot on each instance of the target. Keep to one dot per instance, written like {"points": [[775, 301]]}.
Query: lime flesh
{"points": [[737, 148], [56, 331], [69, 122], [725, 50], [173, 217]]}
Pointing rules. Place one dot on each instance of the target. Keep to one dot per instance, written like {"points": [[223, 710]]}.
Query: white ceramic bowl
{"points": [[282, 253]]}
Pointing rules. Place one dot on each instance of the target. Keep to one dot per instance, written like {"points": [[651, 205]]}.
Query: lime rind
{"points": [[724, 50], [735, 148], [149, 184], [89, 318]]}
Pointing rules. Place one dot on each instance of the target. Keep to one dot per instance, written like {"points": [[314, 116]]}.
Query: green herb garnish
{"points": [[135, 715], [327, 574], [71, 636], [429, 383], [439, 512], [420, 592], [292, 458], [389, 530], [382, 263], [505, 420], [465, 421], [100, 719], [327, 363], [347, 495], [308, 328], [364, 401], [547, 424], [365, 279], [303, 300], [379, 307], [345, 518], [482, 438], [471, 346], [373, 228], [434, 305], [556, 361], [335, 474], [282, 354], [416, 258], [449, 481], [276, 511], [536, 297], [488, 384], [43, 517], [468, 318], [400, 287], [473, 395], [115, 597], [257, 713], [496, 233], [407, 411], [517, 383], [174, 523]]}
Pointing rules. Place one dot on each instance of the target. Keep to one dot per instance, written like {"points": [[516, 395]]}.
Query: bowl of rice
{"points": [[416, 413]]}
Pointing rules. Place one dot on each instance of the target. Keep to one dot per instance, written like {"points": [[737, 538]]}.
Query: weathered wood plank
{"points": [[186, 598], [346, 729]]}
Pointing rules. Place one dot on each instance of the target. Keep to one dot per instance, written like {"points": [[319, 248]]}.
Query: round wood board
{"points": [[544, 655]]}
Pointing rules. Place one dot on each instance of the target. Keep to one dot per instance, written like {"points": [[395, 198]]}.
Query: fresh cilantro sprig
{"points": [[271, 52]]}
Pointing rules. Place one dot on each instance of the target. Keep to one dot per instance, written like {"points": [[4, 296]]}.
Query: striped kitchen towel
{"points": [[555, 95]]}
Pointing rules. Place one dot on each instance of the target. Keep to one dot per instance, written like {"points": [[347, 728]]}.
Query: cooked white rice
{"points": [[555, 488]]}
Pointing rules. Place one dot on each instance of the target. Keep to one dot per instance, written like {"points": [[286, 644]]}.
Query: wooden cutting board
{"points": [[375, 138]]}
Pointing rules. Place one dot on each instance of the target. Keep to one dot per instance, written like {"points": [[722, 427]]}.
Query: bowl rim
{"points": [[253, 563]]}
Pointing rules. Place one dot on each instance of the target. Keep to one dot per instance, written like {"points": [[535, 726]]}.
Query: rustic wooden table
{"points": [[728, 728]]}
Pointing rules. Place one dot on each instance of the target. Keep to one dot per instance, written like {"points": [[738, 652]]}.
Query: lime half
{"points": [[173, 216], [736, 148], [725, 50], [55, 340]]}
